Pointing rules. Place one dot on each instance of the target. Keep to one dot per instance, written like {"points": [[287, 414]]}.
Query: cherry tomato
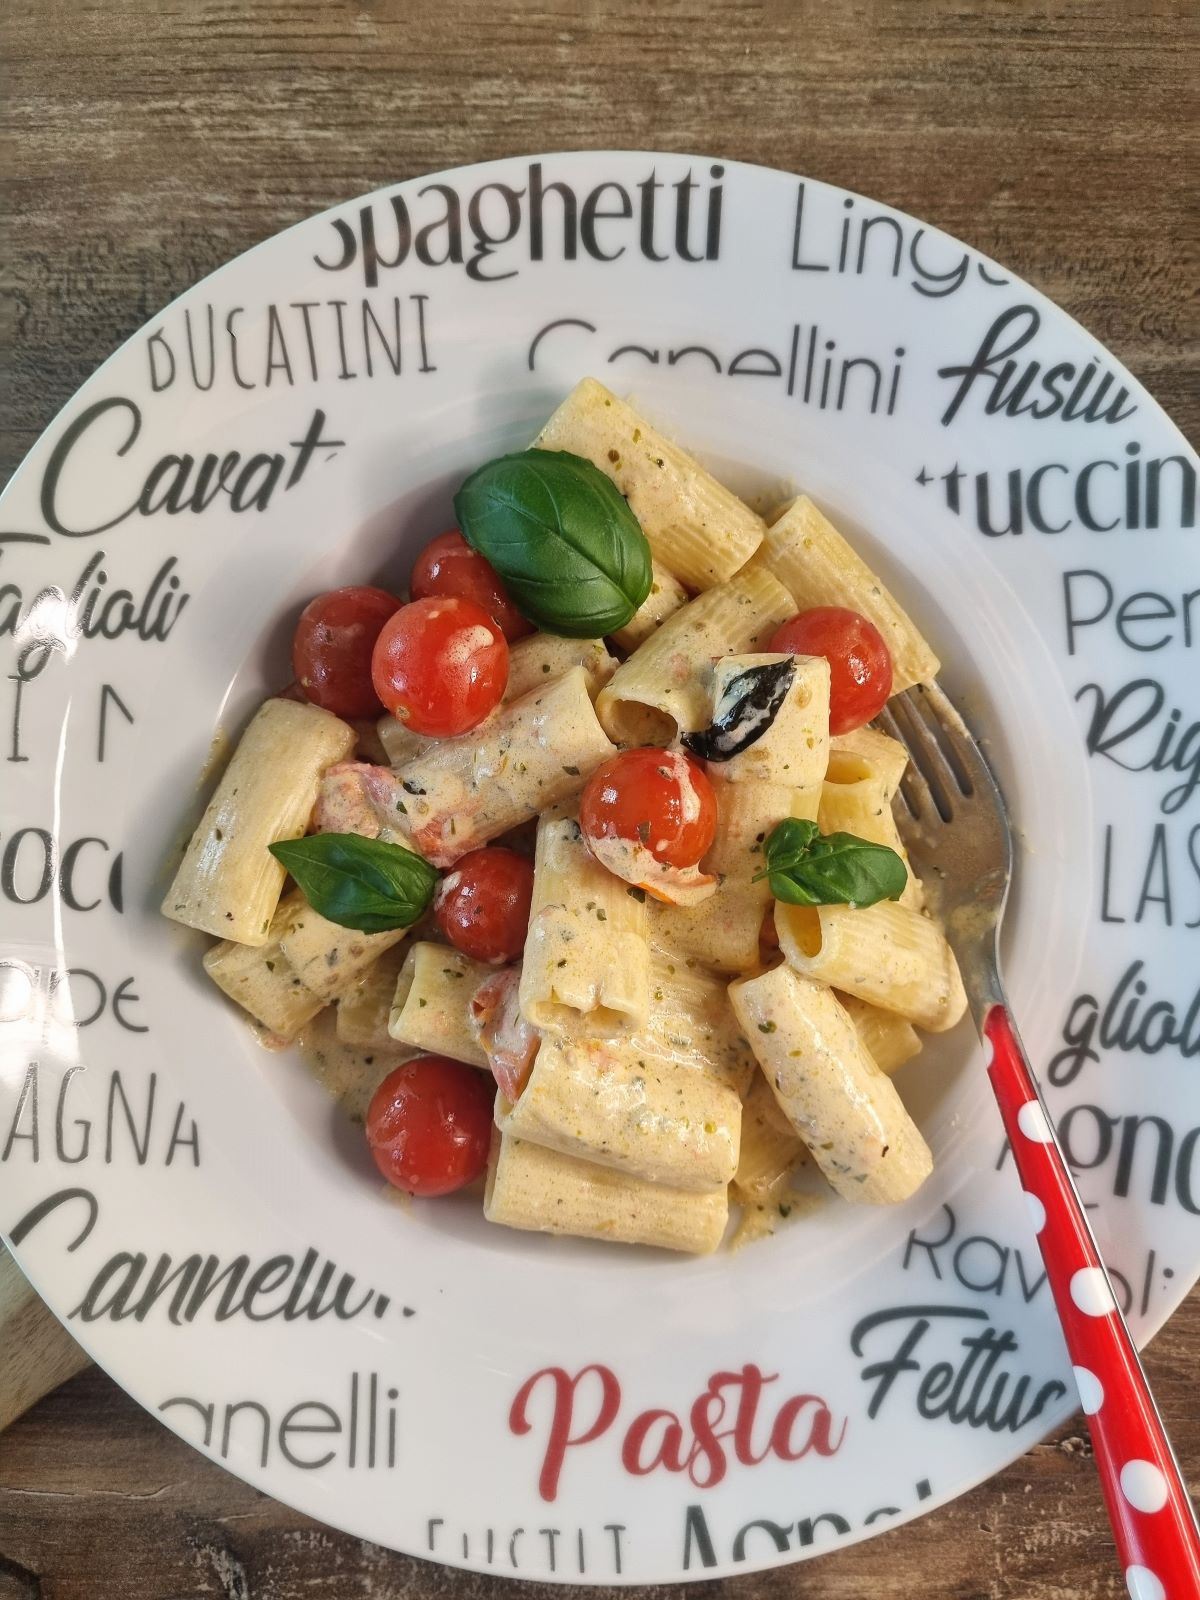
{"points": [[448, 565], [658, 798], [440, 665], [860, 664], [482, 904], [429, 1125], [331, 650]]}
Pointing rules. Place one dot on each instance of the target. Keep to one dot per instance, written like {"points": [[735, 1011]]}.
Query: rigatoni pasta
{"points": [[228, 884]]}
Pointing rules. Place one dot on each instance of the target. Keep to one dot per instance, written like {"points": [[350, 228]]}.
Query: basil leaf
{"points": [[748, 705], [808, 868], [572, 554], [359, 883]]}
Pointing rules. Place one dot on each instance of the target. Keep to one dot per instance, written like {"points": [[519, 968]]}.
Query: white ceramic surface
{"points": [[188, 1202]]}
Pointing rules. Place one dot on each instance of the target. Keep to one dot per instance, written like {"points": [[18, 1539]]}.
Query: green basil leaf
{"points": [[808, 868], [359, 883], [572, 554]]}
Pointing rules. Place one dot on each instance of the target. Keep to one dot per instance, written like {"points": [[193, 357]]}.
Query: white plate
{"points": [[139, 1122]]}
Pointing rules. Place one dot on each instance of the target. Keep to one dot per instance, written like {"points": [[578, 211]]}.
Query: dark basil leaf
{"points": [[748, 705], [572, 554], [808, 868], [359, 883]]}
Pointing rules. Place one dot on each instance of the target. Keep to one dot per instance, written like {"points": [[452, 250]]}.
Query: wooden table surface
{"points": [[154, 139]]}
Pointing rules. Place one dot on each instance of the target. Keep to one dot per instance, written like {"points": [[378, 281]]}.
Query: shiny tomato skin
{"points": [[332, 648], [448, 565], [860, 663], [482, 904], [639, 795], [440, 665], [429, 1125]]}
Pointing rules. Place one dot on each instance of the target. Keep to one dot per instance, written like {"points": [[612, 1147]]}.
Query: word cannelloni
{"points": [[576, 873]]}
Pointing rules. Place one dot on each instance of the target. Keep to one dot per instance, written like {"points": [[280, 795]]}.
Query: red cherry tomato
{"points": [[482, 904], [658, 798], [440, 665], [331, 650], [429, 1125], [448, 565], [860, 664]]}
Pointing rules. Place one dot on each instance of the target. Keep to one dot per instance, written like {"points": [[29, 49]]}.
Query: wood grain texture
{"points": [[150, 140]]}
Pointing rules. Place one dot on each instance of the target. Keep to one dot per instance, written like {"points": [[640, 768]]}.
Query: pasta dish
{"points": [[587, 851]]}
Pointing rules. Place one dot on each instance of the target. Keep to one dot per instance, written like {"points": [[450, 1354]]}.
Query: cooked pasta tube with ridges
{"points": [[537, 751], [884, 753], [666, 596], [260, 980], [723, 931], [228, 882], [771, 1149], [605, 1101], [663, 689], [697, 529], [543, 1191], [692, 1022], [887, 954], [365, 1009], [889, 1038], [587, 959], [844, 1108], [327, 958], [855, 799], [794, 748], [819, 568], [532, 662], [431, 1007]]}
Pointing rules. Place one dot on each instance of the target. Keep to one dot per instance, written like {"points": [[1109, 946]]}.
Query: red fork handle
{"points": [[1148, 1504]]}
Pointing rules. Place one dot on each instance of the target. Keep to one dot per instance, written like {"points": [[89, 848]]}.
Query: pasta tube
{"points": [[888, 1038], [532, 662], [846, 1110], [542, 1190], [327, 958], [228, 882], [697, 529], [537, 751], [663, 688], [887, 755], [819, 568], [604, 1101], [431, 1008], [586, 959], [771, 1150], [855, 799], [365, 1009], [886, 954], [666, 596], [260, 980]]}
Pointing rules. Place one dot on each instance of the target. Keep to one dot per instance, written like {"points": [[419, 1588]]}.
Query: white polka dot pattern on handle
{"points": [[1143, 1585], [1091, 1390], [1144, 1486], [1031, 1120], [1037, 1211], [1091, 1293]]}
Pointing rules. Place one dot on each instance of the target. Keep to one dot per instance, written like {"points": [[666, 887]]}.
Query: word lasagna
{"points": [[587, 847]]}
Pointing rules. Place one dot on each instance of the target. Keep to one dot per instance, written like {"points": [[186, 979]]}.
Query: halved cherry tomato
{"points": [[429, 1125], [660, 799], [448, 565], [482, 904], [440, 665], [332, 648], [860, 664]]}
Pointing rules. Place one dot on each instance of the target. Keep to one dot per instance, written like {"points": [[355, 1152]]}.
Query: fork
{"points": [[960, 845]]}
